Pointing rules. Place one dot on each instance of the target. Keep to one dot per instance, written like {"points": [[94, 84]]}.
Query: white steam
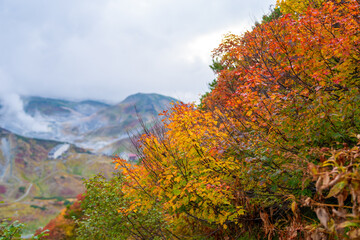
{"points": [[13, 116]]}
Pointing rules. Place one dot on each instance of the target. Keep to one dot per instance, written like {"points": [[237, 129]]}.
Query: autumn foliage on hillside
{"points": [[272, 153], [64, 225]]}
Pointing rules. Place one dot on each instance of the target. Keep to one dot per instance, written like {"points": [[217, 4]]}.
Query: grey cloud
{"points": [[109, 49]]}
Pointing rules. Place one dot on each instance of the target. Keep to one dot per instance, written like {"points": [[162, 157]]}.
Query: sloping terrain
{"points": [[31, 182]]}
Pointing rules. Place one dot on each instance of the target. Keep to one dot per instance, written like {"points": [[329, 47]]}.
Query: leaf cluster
{"points": [[14, 229]]}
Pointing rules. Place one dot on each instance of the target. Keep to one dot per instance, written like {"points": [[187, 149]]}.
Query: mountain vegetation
{"points": [[34, 187], [273, 152]]}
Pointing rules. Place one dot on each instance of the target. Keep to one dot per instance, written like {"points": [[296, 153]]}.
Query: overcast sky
{"points": [[109, 49]]}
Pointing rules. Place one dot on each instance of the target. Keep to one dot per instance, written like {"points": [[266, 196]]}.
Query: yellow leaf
{"points": [[293, 207]]}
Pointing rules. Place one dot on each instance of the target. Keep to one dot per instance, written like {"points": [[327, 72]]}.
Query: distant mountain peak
{"points": [[137, 97]]}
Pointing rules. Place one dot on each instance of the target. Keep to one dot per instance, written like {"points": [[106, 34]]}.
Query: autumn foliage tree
{"points": [[291, 87], [298, 7], [272, 152]]}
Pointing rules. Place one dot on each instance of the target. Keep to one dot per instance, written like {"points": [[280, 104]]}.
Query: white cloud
{"points": [[112, 48], [200, 47]]}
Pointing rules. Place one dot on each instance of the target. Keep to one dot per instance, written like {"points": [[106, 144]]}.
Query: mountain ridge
{"points": [[87, 123]]}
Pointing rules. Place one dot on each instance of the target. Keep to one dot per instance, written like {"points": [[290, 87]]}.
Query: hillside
{"points": [[31, 182]]}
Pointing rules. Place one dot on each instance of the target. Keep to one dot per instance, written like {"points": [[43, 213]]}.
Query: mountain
{"points": [[61, 108], [43, 117], [89, 124], [109, 125], [118, 119]]}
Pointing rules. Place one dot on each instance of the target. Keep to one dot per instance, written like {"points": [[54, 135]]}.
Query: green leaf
{"points": [[348, 224], [176, 192], [336, 189]]}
